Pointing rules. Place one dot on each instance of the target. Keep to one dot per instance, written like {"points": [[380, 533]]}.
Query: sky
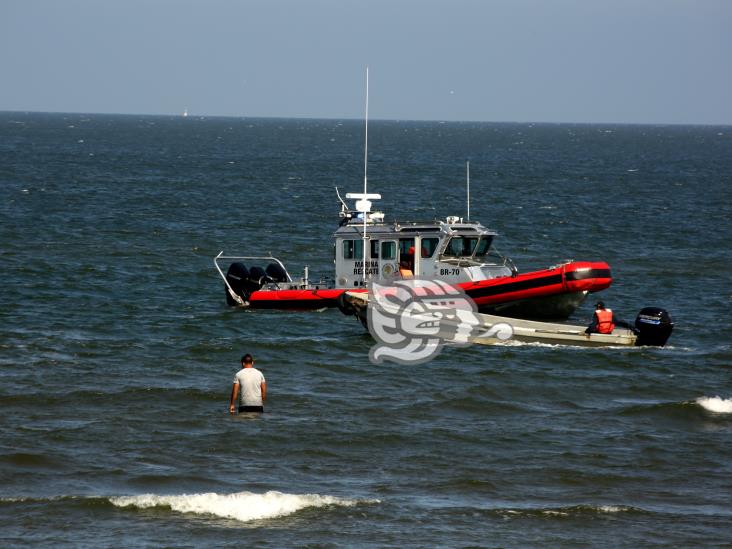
{"points": [[612, 61]]}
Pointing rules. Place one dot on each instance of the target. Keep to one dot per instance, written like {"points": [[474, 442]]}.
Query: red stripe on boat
{"points": [[579, 276]]}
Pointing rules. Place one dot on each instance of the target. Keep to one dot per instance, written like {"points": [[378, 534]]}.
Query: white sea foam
{"points": [[574, 510], [564, 346], [555, 512], [716, 404], [242, 506]]}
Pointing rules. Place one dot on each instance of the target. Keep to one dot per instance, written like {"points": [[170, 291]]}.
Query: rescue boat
{"points": [[457, 251]]}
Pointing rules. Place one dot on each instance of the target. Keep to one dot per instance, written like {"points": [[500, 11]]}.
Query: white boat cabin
{"points": [[452, 250]]}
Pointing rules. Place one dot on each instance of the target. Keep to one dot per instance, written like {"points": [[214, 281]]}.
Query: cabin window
{"points": [[388, 250], [352, 249], [429, 245], [405, 244], [461, 246], [454, 247], [374, 249], [484, 246]]}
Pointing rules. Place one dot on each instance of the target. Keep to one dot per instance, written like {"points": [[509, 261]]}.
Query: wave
{"points": [[241, 506], [570, 511], [715, 404], [688, 409], [131, 392], [30, 460], [563, 346]]}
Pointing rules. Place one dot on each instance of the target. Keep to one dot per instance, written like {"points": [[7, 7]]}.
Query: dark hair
{"points": [[247, 359], [600, 305]]}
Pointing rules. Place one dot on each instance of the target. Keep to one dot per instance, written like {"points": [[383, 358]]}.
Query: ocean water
{"points": [[117, 349]]}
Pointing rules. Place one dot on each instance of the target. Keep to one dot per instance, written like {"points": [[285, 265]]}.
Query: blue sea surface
{"points": [[117, 348]]}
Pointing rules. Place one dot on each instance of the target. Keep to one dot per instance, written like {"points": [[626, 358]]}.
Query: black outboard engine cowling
{"points": [[276, 272], [258, 277], [238, 278], [653, 326]]}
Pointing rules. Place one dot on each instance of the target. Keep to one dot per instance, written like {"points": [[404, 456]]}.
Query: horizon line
{"points": [[433, 120]]}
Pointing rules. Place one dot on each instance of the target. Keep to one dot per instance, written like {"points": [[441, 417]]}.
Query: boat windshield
{"points": [[461, 246], [484, 247], [466, 246]]}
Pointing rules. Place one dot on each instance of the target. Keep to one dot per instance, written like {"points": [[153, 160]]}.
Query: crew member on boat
{"points": [[604, 321]]}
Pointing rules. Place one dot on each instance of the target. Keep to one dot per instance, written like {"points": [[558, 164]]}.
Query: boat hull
{"points": [[552, 307], [547, 333], [498, 330], [303, 300], [548, 294]]}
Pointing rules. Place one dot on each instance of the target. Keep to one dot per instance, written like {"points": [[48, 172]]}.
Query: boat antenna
{"points": [[363, 203], [366, 138], [468, 185], [365, 170]]}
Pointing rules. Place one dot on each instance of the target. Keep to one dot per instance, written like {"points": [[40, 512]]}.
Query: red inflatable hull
{"points": [[572, 278], [580, 276], [295, 299]]}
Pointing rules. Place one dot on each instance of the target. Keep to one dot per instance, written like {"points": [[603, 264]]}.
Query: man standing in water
{"points": [[250, 384]]}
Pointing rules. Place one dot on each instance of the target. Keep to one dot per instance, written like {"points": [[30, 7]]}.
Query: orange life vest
{"points": [[604, 321]]}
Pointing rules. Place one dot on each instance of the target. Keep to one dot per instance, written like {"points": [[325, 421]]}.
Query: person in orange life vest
{"points": [[604, 321]]}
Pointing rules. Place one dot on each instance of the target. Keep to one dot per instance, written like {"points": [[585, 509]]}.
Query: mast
{"points": [[468, 184], [365, 172], [363, 202]]}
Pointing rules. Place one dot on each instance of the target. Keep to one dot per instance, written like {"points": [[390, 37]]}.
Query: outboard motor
{"points": [[244, 281], [238, 278], [653, 326], [258, 278], [276, 272]]}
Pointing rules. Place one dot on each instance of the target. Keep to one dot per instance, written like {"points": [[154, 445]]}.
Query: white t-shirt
{"points": [[250, 386]]}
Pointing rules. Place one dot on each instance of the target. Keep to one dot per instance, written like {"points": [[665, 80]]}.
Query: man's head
{"points": [[247, 361], [599, 305]]}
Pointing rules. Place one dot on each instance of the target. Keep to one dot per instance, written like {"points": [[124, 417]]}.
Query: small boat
{"points": [[434, 318], [454, 250]]}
